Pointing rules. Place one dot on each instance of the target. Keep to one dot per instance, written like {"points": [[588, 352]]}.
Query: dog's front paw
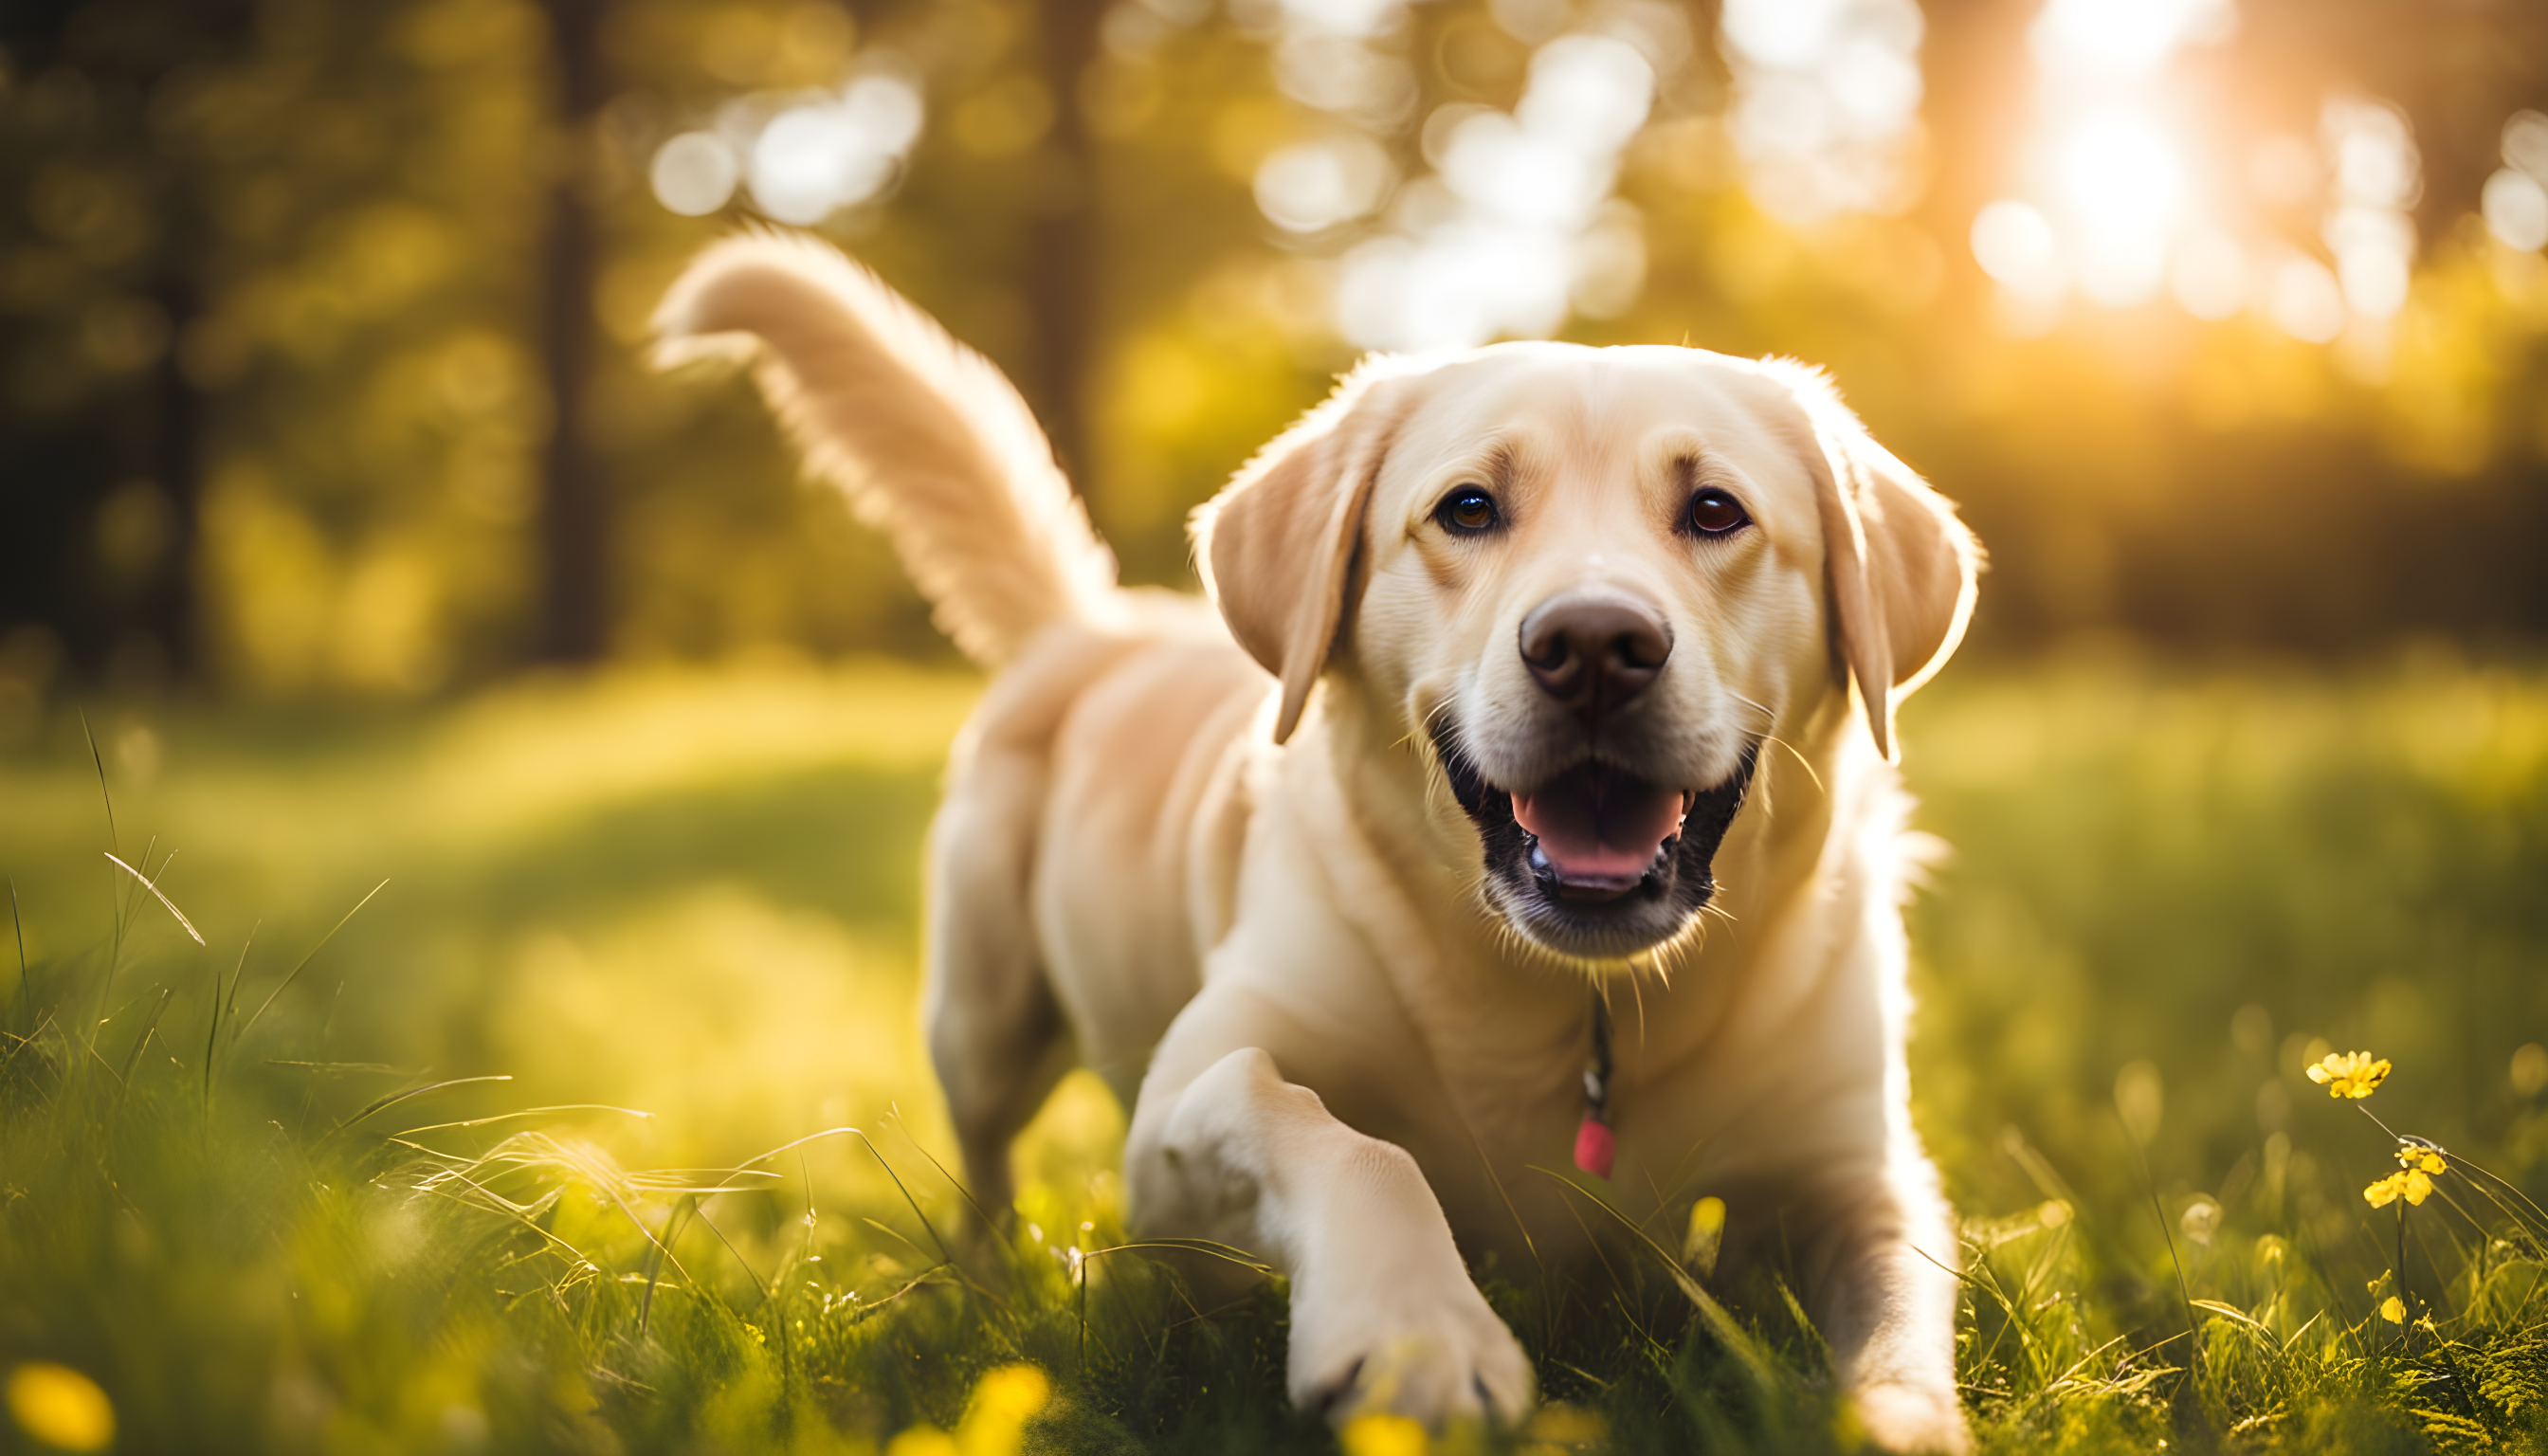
{"points": [[1434, 1355], [1913, 1419]]}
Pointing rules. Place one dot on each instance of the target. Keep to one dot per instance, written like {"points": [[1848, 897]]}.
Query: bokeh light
{"points": [[2378, 176], [819, 157], [2515, 202], [694, 173], [2304, 300], [1826, 104], [1316, 185], [2015, 245], [801, 158], [1516, 223]]}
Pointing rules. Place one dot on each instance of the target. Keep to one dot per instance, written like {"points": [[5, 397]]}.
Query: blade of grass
{"points": [[2184, 1292], [1226, 1254], [749, 1272], [115, 898], [25, 997], [1737, 1341], [213, 1033], [869, 1308], [148, 885], [384, 1104], [238, 1029], [655, 1261], [239, 972], [22, 1043], [953, 1182], [528, 1112], [879, 1154], [125, 1072], [501, 1206], [113, 840], [2234, 1314]]}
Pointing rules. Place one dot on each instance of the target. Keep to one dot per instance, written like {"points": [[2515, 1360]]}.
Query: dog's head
{"points": [[1594, 582]]}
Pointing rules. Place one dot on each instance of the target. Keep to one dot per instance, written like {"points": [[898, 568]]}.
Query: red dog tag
{"points": [[1593, 1147]]}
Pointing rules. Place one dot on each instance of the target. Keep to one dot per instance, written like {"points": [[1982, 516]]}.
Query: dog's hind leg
{"points": [[995, 1030]]}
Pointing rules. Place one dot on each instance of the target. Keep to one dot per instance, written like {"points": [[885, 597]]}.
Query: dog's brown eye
{"points": [[1712, 513], [1467, 512]]}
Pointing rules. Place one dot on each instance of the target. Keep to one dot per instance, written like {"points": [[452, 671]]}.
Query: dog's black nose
{"points": [[1593, 651]]}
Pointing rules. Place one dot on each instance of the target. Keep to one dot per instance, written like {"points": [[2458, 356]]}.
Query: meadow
{"points": [[539, 1071]]}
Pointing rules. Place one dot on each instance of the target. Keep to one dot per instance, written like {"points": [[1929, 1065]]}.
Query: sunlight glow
{"points": [[2122, 182], [2122, 210], [2121, 175], [2130, 37], [2109, 179]]}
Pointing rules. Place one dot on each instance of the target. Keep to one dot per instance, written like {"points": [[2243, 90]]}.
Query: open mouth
{"points": [[1599, 860], [1595, 832]]}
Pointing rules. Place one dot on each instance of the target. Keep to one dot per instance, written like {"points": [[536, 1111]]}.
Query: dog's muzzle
{"points": [[1599, 861]]}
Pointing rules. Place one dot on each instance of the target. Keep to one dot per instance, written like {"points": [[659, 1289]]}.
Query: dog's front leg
{"points": [[1383, 1315], [1890, 1311]]}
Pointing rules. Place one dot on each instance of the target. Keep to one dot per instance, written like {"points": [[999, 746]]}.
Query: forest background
{"points": [[323, 323]]}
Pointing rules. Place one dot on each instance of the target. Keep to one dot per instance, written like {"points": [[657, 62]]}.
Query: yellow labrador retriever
{"points": [[1557, 835]]}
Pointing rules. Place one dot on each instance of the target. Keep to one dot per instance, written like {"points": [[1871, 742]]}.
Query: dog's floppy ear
{"points": [[1903, 566], [1280, 547]]}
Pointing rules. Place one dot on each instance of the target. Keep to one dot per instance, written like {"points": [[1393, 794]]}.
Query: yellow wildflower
{"points": [[2421, 1154], [2353, 1074], [1706, 1235], [2413, 1185], [2393, 1310], [1380, 1433], [61, 1407], [995, 1419]]}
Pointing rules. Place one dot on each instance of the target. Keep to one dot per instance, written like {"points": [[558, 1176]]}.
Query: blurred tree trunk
{"points": [[66, 463], [575, 500], [1062, 268], [173, 608]]}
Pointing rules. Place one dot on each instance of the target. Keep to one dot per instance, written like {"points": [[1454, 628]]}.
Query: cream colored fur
{"points": [[1254, 906]]}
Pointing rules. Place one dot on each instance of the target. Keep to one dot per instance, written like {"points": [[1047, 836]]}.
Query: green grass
{"points": [[693, 896]]}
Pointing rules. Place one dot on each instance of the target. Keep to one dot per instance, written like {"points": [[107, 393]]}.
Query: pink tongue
{"points": [[1596, 822]]}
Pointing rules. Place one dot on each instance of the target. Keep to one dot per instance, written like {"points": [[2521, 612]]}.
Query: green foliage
{"points": [[692, 896]]}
